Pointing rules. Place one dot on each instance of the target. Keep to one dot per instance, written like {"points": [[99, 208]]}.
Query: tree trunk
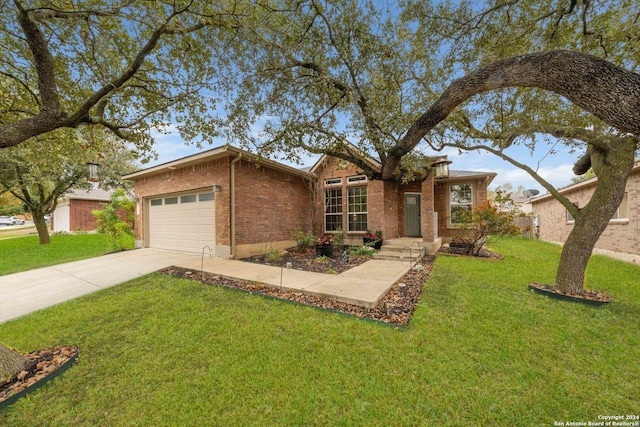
{"points": [[612, 169], [12, 362], [41, 226]]}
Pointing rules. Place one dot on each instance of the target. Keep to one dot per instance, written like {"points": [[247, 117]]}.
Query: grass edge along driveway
{"points": [[25, 253], [480, 350]]}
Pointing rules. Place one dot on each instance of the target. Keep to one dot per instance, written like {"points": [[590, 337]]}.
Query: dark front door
{"points": [[412, 215]]}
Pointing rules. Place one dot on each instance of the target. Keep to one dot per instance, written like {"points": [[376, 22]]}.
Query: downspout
{"points": [[233, 205]]}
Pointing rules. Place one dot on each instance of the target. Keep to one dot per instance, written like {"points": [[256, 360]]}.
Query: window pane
{"points": [[333, 209], [457, 214], [333, 222], [191, 198], [460, 200], [623, 209], [156, 202], [171, 201], [333, 181], [461, 194], [206, 197], [355, 179], [358, 222], [357, 199]]}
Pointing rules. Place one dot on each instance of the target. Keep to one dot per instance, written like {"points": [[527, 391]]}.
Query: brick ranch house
{"points": [[240, 204], [73, 211], [621, 238]]}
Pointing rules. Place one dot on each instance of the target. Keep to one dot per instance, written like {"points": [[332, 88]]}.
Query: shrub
{"points": [[482, 222], [273, 255], [338, 239], [363, 251], [116, 221], [303, 240]]}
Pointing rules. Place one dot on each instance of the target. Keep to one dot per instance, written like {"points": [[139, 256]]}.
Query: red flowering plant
{"points": [[325, 240], [371, 235], [482, 222]]}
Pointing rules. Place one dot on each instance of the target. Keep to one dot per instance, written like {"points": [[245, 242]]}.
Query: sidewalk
{"points": [[29, 291], [363, 285]]}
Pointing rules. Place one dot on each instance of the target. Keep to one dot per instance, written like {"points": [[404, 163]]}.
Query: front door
{"points": [[412, 215]]}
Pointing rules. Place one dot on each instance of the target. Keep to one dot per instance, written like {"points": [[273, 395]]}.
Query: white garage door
{"points": [[184, 222]]}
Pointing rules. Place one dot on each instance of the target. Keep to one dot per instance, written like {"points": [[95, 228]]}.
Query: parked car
{"points": [[17, 221], [5, 220]]}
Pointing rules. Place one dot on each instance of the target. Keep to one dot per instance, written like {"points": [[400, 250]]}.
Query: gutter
{"points": [[232, 231]]}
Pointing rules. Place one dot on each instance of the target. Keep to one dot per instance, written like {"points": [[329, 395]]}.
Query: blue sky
{"points": [[555, 168]]}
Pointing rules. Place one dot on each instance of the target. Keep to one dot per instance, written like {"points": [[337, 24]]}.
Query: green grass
{"points": [[480, 350], [25, 253]]}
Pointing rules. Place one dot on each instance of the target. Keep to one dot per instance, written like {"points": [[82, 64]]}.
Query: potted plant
{"points": [[373, 239], [324, 246]]}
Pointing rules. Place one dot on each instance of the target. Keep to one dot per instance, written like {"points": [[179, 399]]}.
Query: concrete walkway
{"points": [[363, 285], [29, 291]]}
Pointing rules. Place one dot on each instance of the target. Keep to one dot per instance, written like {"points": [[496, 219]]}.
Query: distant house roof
{"points": [[586, 182], [93, 194]]}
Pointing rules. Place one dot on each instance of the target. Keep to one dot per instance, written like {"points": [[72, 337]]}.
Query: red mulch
{"points": [[45, 362], [395, 308]]}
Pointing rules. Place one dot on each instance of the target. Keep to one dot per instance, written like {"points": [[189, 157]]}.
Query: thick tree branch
{"points": [[573, 209], [43, 60], [609, 92]]}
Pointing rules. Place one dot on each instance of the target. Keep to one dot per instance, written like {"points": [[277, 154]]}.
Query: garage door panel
{"points": [[187, 226]]}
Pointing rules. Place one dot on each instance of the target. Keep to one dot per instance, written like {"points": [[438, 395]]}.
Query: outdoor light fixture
{"points": [[217, 188], [93, 172], [441, 167]]}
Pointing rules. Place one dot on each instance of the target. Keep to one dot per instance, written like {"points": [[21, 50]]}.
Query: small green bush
{"points": [[338, 239], [273, 255], [363, 251], [303, 240], [116, 221]]}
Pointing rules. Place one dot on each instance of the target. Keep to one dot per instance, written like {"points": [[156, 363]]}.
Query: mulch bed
{"points": [[395, 308], [45, 363], [587, 296], [308, 261], [484, 253]]}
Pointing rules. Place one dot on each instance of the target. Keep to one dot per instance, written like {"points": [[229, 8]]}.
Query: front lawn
{"points": [[480, 350], [25, 253]]}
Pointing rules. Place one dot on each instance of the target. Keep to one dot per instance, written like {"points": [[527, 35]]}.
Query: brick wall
{"points": [[621, 236], [80, 216], [270, 204]]}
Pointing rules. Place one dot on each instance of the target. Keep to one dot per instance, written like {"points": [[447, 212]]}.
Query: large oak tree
{"points": [[392, 83]]}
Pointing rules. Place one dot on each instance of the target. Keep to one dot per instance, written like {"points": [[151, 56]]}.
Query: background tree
{"points": [[39, 172], [128, 66]]}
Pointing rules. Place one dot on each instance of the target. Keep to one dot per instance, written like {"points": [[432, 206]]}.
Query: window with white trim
{"points": [[623, 210], [332, 181], [333, 209], [460, 200], [570, 217], [358, 179], [357, 208]]}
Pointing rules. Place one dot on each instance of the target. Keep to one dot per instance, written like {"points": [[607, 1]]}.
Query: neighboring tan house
{"points": [[239, 204], [621, 238], [73, 212]]}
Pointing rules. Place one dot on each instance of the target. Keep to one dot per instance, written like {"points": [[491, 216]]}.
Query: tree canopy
{"points": [[127, 66]]}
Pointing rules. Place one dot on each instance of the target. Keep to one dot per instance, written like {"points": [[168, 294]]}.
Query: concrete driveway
{"points": [[26, 292]]}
